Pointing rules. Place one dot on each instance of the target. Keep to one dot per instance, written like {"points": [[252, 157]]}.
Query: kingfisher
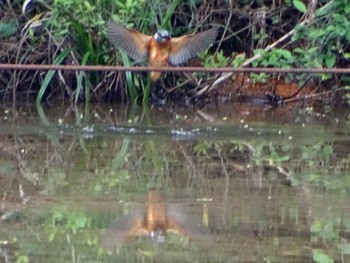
{"points": [[154, 220], [160, 49]]}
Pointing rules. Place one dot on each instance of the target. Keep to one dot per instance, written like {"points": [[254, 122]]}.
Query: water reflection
{"points": [[279, 185], [155, 220]]}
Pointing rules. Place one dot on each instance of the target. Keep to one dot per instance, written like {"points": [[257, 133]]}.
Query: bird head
{"points": [[158, 236], [162, 36]]}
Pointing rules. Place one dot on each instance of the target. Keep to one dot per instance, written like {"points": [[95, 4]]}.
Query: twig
{"points": [[306, 97], [259, 55]]}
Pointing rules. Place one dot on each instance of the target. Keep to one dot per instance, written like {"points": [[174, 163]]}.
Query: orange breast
{"points": [[156, 212], [158, 53], [158, 56]]}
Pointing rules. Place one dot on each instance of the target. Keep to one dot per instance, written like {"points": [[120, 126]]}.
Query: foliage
{"points": [[8, 28], [320, 257], [76, 29], [326, 38], [262, 177]]}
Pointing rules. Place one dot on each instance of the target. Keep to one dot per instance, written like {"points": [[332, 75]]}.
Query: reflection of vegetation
{"points": [[279, 194], [320, 257]]}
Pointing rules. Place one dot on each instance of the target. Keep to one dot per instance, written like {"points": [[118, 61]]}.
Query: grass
{"points": [[60, 25]]}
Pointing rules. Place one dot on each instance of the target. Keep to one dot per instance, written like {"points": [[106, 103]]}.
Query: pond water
{"points": [[220, 183]]}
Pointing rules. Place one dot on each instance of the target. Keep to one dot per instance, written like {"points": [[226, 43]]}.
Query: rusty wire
{"points": [[171, 69]]}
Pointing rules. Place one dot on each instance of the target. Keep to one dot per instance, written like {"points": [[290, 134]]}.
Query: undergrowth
{"points": [[73, 32]]}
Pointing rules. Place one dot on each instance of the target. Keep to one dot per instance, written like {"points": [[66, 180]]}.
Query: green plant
{"points": [[347, 88], [8, 28], [319, 37], [276, 58], [320, 257], [156, 14], [325, 39]]}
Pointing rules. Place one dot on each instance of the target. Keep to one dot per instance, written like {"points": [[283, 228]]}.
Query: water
{"points": [[228, 183]]}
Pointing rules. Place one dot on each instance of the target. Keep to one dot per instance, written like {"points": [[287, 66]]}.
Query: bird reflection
{"points": [[155, 219]]}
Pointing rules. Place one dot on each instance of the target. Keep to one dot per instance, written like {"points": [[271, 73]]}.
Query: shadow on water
{"points": [[239, 183]]}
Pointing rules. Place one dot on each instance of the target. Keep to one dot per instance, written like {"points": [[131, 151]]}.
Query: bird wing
{"points": [[182, 221], [186, 47], [126, 227], [134, 43]]}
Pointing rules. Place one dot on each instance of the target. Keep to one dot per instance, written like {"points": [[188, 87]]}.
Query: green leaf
{"points": [[341, 19], [284, 53], [326, 9], [58, 60], [80, 77], [170, 11], [320, 257], [299, 51], [120, 4], [347, 35], [129, 77], [8, 29], [22, 259], [51, 236], [300, 6], [330, 61]]}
